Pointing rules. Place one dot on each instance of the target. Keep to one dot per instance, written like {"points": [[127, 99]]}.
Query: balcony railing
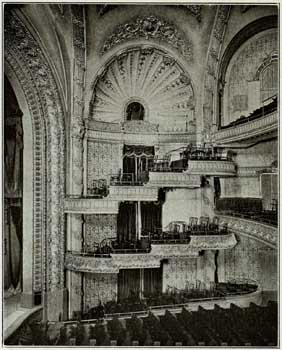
{"points": [[128, 179]]}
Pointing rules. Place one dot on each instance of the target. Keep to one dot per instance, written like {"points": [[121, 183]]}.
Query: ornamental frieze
{"points": [[215, 242], [150, 28], [265, 233]]}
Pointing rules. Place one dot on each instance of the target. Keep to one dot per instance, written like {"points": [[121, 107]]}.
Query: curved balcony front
{"points": [[267, 234], [133, 193], [90, 206], [246, 132], [113, 262], [211, 167], [173, 179]]}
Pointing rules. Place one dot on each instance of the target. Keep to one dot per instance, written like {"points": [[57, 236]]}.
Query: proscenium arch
{"points": [[33, 78], [242, 36]]}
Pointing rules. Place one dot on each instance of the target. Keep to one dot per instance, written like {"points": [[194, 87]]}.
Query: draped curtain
{"points": [[126, 221], [152, 281], [13, 183], [129, 283], [137, 160], [151, 216]]}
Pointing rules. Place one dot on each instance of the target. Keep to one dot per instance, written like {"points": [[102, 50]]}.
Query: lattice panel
{"points": [[99, 227], [99, 287], [104, 159]]}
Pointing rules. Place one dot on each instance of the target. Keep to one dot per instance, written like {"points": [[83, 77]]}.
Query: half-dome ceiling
{"points": [[150, 78]]}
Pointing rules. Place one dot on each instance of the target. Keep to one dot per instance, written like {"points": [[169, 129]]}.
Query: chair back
{"points": [[193, 221], [204, 220]]}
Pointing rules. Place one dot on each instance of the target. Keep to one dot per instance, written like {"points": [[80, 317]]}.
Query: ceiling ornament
{"points": [[150, 28], [148, 76]]}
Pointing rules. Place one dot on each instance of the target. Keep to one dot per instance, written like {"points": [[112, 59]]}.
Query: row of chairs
{"points": [[98, 188]]}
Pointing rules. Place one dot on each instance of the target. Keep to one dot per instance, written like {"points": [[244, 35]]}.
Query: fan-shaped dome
{"points": [[150, 78]]}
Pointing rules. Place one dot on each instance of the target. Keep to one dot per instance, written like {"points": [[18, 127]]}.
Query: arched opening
{"points": [[13, 193], [135, 111], [240, 89]]}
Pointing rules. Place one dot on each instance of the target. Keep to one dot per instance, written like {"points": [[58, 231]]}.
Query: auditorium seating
{"points": [[246, 208], [258, 113], [235, 326]]}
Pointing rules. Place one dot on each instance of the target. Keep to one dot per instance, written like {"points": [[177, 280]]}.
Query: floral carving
{"points": [[151, 28], [212, 62], [24, 56]]}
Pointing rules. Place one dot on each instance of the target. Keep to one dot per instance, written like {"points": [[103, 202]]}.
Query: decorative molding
{"points": [[251, 129], [195, 10], [139, 127], [211, 167], [253, 171], [133, 193], [170, 179], [168, 251], [264, 233], [151, 28], [111, 134], [26, 58], [90, 206], [213, 242], [151, 76], [77, 122], [80, 263], [136, 261], [212, 64]]}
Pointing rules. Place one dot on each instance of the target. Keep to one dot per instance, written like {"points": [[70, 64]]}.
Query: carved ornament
{"points": [[150, 28]]}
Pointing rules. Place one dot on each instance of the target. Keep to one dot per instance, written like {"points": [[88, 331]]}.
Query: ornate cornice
{"points": [[170, 179], [211, 167], [90, 206], [212, 64], [151, 28], [26, 58], [266, 234], [133, 193], [251, 129], [110, 134]]}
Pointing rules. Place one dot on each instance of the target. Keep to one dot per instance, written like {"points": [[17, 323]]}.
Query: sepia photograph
{"points": [[140, 174]]}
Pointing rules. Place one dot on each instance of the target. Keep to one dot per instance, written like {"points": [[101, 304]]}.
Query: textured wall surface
{"points": [[182, 273], [99, 287], [104, 159], [240, 187], [99, 227], [249, 259]]}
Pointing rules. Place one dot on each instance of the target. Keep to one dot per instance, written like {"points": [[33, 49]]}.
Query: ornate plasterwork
{"points": [[212, 64], [264, 233], [253, 171], [150, 28], [255, 128], [139, 127], [147, 75], [90, 206], [133, 193], [170, 179], [216, 242], [211, 167], [25, 57], [77, 122]]}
